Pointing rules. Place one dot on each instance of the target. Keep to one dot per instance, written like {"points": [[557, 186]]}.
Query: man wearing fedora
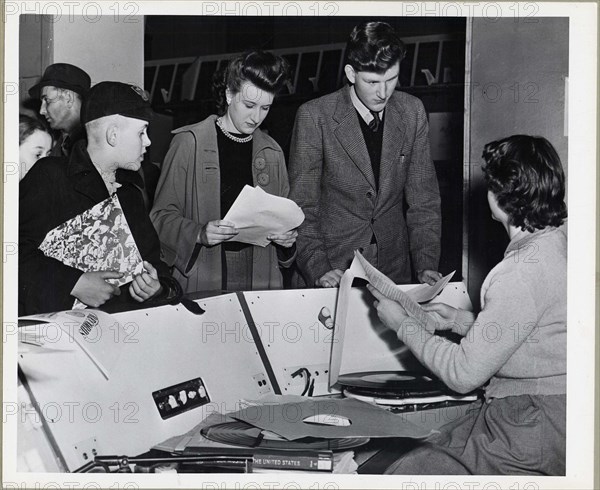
{"points": [[116, 117], [61, 90]]}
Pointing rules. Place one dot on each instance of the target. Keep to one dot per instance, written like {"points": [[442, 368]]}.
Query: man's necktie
{"points": [[374, 124]]}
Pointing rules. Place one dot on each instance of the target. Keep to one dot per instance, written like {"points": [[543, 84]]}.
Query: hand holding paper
{"points": [[98, 242], [388, 289], [385, 287], [258, 215], [391, 313], [445, 314], [145, 284], [216, 232], [93, 288]]}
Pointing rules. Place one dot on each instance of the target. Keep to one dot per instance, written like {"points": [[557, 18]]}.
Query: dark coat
{"points": [[332, 180], [55, 190]]}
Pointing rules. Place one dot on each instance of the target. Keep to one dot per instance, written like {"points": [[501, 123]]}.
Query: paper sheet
{"points": [[361, 268], [258, 214], [425, 292], [366, 420], [339, 323]]}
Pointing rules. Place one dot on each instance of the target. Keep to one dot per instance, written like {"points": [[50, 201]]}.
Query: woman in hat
{"points": [[516, 345], [205, 169]]}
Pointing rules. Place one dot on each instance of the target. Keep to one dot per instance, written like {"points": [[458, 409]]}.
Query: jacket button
{"points": [[369, 194], [263, 179], [372, 220]]}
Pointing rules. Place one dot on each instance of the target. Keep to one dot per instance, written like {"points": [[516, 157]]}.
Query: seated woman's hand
{"points": [[442, 313], [286, 239], [217, 231], [391, 313], [146, 284], [93, 290]]}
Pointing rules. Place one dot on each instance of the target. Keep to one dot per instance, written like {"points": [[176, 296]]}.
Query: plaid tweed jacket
{"points": [[331, 179]]}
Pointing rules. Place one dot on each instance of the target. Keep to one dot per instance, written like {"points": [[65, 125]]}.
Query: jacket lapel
{"points": [[85, 177], [349, 134], [394, 129]]}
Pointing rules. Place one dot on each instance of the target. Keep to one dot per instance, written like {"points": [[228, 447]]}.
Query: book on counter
{"points": [[293, 460], [274, 459]]}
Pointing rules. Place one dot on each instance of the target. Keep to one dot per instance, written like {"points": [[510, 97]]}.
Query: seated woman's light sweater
{"points": [[518, 340]]}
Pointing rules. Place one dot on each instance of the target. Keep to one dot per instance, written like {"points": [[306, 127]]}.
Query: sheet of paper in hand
{"points": [[98, 239], [425, 292], [258, 214], [387, 287]]}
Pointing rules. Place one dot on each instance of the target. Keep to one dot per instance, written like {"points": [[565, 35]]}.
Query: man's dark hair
{"points": [[526, 176], [374, 47], [264, 69]]}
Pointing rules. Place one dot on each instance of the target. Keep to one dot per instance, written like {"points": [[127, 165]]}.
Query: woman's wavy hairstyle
{"points": [[266, 70], [374, 47], [29, 125], [526, 176]]}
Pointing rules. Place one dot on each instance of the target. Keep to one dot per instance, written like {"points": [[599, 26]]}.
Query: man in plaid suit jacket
{"points": [[361, 170]]}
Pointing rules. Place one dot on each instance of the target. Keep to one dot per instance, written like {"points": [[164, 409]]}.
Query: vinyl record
{"points": [[239, 433], [397, 394], [392, 381]]}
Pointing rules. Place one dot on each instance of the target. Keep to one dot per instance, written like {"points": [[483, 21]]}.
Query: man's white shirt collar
{"points": [[362, 109]]}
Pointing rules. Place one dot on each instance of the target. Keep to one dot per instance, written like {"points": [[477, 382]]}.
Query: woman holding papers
{"points": [[207, 166], [517, 343]]}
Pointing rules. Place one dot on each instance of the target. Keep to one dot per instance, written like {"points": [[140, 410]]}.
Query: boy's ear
{"points": [[350, 73], [112, 131]]}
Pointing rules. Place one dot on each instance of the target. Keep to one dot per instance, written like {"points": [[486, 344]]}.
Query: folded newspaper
{"points": [[98, 239]]}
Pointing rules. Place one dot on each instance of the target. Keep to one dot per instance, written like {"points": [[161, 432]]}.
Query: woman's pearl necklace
{"points": [[237, 139]]}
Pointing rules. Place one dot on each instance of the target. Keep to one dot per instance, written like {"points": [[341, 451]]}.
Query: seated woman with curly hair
{"points": [[517, 343]]}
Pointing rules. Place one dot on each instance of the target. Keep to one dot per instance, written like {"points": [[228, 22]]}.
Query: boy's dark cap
{"points": [[62, 75], [109, 98]]}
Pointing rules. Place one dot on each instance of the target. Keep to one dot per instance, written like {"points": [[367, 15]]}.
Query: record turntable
{"points": [[402, 390]]}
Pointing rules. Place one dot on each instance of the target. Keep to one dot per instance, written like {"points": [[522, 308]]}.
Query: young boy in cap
{"points": [[61, 91], [116, 117]]}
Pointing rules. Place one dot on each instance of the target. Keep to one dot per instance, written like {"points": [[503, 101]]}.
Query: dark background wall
{"points": [[170, 36], [518, 71]]}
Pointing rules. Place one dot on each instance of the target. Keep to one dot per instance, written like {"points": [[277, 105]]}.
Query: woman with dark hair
{"points": [[35, 142], [205, 169], [517, 343]]}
